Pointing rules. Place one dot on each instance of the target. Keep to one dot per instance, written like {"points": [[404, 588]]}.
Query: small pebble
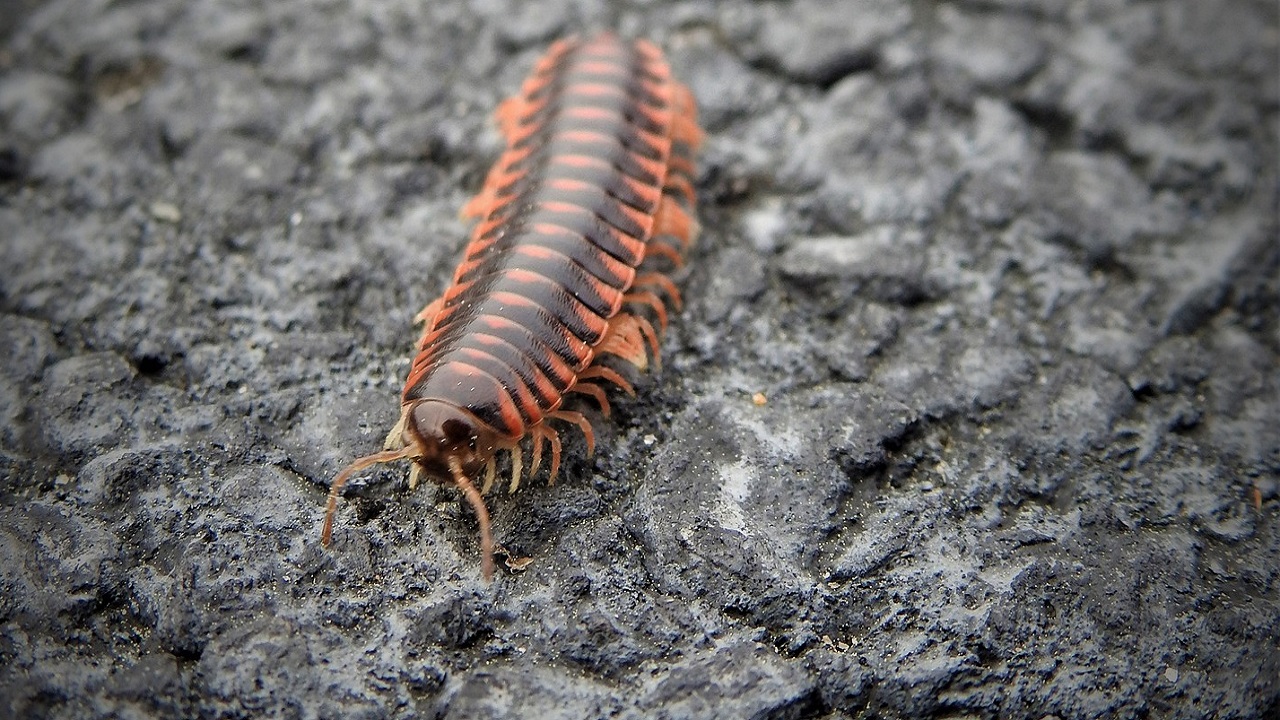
{"points": [[166, 212]]}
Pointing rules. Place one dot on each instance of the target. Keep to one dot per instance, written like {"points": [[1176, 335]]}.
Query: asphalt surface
{"points": [[971, 410]]}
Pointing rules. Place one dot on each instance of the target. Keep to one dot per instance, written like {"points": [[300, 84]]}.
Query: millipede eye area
{"points": [[459, 432], [443, 431]]}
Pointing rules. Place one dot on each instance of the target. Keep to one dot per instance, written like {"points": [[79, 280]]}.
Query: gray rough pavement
{"points": [[1005, 271]]}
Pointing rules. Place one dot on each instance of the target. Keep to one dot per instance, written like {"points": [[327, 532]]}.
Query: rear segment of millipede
{"points": [[594, 185]]}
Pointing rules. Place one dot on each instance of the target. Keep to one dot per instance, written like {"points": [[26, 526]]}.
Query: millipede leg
{"points": [[658, 247], [596, 392], [680, 163], [645, 297], [664, 283], [679, 183], [427, 317], [624, 340], [582, 422], [604, 372], [646, 329], [516, 461], [537, 438], [555, 456], [674, 221], [490, 475], [395, 436], [545, 433]]}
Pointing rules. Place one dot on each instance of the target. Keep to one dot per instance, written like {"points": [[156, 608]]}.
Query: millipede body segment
{"points": [[591, 200]]}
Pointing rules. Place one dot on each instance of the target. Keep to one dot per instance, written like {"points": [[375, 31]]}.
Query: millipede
{"points": [[576, 228]]}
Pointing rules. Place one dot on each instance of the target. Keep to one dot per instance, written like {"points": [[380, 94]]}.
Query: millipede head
{"points": [[449, 445], [445, 434]]}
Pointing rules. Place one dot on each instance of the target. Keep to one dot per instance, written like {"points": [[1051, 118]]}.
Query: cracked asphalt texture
{"points": [[1005, 272]]}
